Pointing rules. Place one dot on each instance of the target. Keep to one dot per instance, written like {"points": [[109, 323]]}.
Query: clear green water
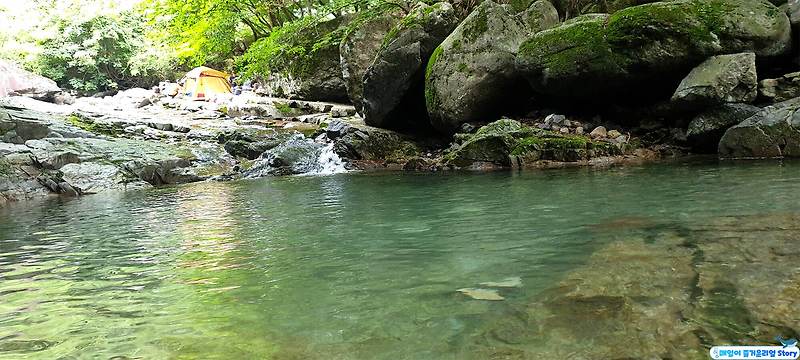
{"points": [[352, 266]]}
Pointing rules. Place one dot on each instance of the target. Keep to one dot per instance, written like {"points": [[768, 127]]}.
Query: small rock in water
{"points": [[599, 132], [482, 294], [515, 281]]}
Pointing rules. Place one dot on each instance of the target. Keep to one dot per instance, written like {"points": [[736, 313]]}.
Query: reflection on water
{"points": [[364, 266]]}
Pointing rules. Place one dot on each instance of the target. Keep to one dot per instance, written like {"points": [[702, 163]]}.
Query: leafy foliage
{"points": [[99, 54]]}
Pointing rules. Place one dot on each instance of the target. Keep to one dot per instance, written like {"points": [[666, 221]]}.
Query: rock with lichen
{"points": [[393, 84], [471, 75], [642, 52]]}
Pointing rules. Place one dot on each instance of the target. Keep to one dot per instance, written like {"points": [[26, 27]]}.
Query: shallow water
{"points": [[349, 266]]}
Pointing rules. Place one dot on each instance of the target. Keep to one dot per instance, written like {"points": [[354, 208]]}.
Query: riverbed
{"points": [[625, 262]]}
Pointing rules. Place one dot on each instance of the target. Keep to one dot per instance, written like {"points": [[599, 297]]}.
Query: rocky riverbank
{"points": [[503, 87], [138, 139]]}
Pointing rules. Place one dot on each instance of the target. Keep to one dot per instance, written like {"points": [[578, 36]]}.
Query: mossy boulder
{"points": [[644, 51], [317, 75], [573, 8], [471, 76], [770, 133], [507, 143], [358, 49], [718, 80], [393, 95]]}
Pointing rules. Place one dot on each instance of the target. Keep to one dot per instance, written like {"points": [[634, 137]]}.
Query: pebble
{"points": [[599, 132], [579, 130], [614, 134], [564, 130]]}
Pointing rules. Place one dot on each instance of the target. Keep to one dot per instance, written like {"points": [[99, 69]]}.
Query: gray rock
{"points": [[599, 133], [643, 51], [393, 84], [770, 133], [720, 79], [540, 15], [19, 82], [471, 75], [296, 156], [780, 89], [355, 140], [707, 128], [357, 51]]}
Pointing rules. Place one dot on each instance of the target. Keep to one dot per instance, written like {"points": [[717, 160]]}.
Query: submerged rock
{"points": [[707, 128], [394, 83], [643, 51], [770, 133], [720, 79], [471, 75], [481, 294], [512, 282]]}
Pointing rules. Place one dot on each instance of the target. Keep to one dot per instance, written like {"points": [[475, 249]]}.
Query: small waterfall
{"points": [[328, 162]]}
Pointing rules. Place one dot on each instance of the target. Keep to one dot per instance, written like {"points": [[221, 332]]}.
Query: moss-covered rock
{"points": [[393, 85], [317, 74], [507, 143], [471, 75], [647, 49]]}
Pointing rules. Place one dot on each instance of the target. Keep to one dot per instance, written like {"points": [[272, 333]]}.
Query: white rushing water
{"points": [[328, 162]]}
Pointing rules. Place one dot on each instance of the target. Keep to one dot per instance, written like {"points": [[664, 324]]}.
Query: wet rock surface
{"points": [[679, 289]]}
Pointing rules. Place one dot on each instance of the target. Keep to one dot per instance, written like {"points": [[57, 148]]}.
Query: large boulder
{"points": [[771, 133], [644, 51], [357, 51], [780, 89], [707, 128], [394, 83], [471, 75], [315, 76], [17, 81], [718, 80]]}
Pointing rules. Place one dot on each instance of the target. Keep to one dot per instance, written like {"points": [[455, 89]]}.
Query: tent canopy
{"points": [[203, 82]]}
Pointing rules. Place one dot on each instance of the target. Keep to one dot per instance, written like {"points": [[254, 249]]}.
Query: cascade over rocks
{"points": [[642, 52], [471, 75], [720, 79], [774, 132], [393, 84], [357, 51]]}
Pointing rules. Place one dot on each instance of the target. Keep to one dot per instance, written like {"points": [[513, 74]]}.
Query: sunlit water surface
{"points": [[351, 266]]}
